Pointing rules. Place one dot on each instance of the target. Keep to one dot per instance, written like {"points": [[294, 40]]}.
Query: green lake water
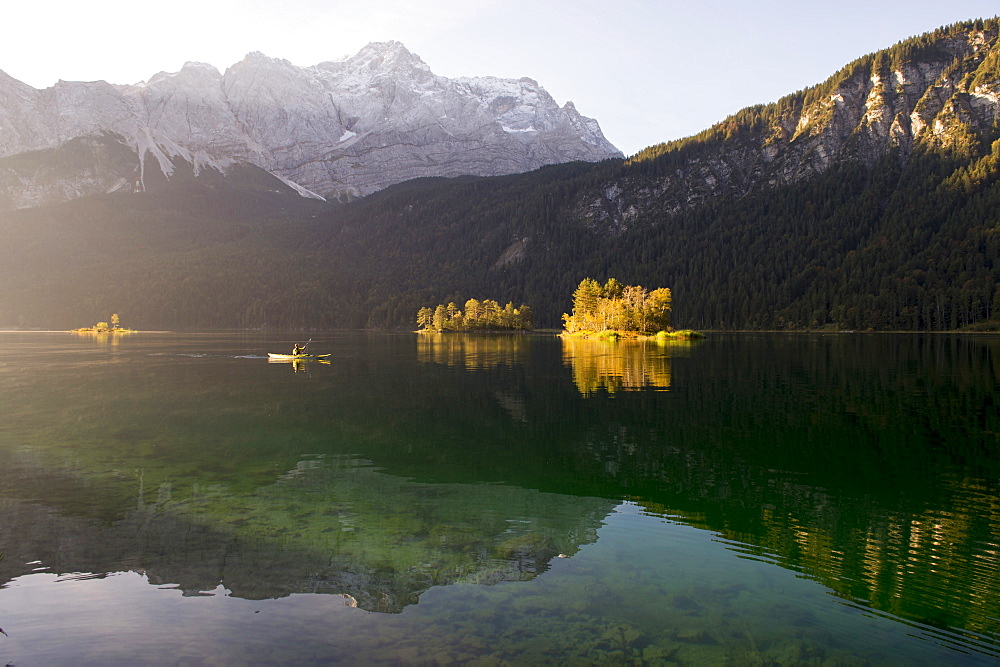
{"points": [[745, 500]]}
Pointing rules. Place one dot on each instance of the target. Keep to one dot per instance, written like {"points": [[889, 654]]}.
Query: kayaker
{"points": [[296, 350]]}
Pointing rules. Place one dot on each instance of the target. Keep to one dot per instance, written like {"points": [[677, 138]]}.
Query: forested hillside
{"points": [[883, 213]]}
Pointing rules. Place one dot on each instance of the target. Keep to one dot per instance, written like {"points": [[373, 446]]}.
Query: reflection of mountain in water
{"points": [[335, 527], [867, 463]]}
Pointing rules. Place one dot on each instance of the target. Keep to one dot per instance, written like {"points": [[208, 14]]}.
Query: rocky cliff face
{"points": [[938, 91], [338, 129]]}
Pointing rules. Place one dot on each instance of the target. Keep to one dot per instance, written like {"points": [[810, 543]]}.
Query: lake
{"points": [[744, 499]]}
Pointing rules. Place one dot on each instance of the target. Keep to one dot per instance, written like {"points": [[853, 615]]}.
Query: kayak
{"points": [[293, 357]]}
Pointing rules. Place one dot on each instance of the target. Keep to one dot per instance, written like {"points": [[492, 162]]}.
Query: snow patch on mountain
{"points": [[308, 194]]}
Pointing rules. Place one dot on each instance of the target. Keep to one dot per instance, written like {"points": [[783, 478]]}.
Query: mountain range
{"points": [[339, 129], [868, 201]]}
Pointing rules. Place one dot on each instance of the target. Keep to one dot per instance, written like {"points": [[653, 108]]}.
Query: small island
{"points": [[105, 328], [613, 311], [485, 315]]}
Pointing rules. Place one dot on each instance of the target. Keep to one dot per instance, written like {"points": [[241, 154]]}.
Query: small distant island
{"points": [[614, 311], [104, 327], [485, 315]]}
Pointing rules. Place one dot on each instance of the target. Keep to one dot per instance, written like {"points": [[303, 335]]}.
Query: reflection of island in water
{"points": [[335, 527], [472, 351], [618, 365], [110, 338], [596, 364]]}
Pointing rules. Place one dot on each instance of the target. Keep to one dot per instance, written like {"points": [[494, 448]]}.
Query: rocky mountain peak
{"points": [[341, 128], [386, 56], [257, 58], [257, 65], [191, 74], [378, 62]]}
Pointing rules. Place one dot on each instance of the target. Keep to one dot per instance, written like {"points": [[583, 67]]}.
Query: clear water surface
{"points": [[749, 499]]}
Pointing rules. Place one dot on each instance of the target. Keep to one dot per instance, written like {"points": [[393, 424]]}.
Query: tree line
{"points": [[894, 245]]}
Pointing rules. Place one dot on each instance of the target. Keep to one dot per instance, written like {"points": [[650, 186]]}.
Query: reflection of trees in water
{"points": [[940, 567], [471, 350], [615, 366], [932, 566]]}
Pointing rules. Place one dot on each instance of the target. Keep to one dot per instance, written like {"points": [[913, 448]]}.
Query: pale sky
{"points": [[647, 70]]}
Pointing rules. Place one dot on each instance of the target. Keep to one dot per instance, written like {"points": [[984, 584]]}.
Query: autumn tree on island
{"points": [[617, 307]]}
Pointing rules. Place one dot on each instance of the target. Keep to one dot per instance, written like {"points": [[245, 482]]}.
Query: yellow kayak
{"points": [[293, 357]]}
